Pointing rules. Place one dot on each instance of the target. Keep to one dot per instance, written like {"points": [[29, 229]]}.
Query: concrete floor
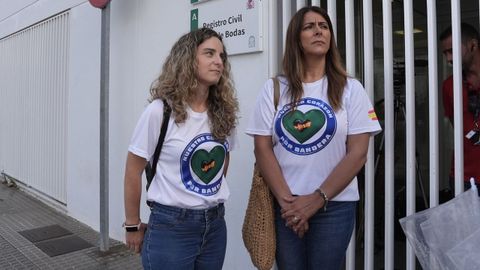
{"points": [[20, 211]]}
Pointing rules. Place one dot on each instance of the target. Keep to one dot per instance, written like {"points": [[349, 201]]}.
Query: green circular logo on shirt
{"points": [[302, 126], [206, 165], [201, 164]]}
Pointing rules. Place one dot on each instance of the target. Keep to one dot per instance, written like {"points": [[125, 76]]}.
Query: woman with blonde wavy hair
{"points": [[186, 228]]}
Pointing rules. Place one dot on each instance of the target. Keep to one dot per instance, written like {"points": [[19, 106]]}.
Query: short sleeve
{"points": [[261, 120], [232, 141], [360, 112], [145, 135]]}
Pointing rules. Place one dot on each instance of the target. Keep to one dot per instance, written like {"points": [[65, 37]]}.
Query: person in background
{"points": [[186, 228], [310, 148], [470, 96]]}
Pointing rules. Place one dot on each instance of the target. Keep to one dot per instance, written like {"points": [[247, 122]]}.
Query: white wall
{"points": [[11, 7], [138, 45], [82, 157], [19, 14], [83, 188], [141, 37], [142, 33]]}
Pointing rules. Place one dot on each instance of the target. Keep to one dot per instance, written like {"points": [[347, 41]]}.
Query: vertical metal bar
{"points": [[55, 113], [433, 100], [389, 134], [59, 94], [47, 182], [104, 121], [300, 4], [350, 59], [42, 112], [350, 36], [33, 81], [286, 15], [22, 62], [63, 133], [457, 97], [316, 3], [61, 106], [273, 39], [66, 57], [369, 170], [332, 12], [410, 118]]}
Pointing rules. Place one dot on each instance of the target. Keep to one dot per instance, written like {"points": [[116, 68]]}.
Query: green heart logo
{"points": [[207, 164], [302, 126]]}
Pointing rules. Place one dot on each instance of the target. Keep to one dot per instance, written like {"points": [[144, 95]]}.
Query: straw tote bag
{"points": [[258, 231]]}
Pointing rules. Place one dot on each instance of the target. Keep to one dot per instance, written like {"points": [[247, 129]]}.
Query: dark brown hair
{"points": [[294, 60], [468, 33]]}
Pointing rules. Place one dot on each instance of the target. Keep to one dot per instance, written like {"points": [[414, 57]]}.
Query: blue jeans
{"points": [[179, 238], [325, 243]]}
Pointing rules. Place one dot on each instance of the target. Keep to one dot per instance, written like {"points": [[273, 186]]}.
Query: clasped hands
{"points": [[297, 210]]}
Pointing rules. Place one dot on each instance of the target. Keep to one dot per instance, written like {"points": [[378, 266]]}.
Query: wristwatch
{"points": [[132, 228]]}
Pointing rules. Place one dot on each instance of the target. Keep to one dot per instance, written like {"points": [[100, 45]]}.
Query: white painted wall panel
{"points": [[9, 7], [19, 14], [34, 86], [84, 115], [76, 71], [141, 37]]}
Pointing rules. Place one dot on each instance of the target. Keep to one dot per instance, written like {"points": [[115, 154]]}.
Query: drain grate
{"points": [[44, 233], [55, 240], [63, 245]]}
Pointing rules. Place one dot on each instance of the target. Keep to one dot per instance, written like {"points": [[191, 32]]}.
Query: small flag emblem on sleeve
{"points": [[372, 114]]}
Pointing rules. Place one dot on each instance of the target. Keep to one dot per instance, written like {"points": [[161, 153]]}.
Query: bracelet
{"points": [[325, 198]]}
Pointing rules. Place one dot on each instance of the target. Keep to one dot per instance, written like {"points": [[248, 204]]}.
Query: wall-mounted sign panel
{"points": [[239, 22], [197, 1]]}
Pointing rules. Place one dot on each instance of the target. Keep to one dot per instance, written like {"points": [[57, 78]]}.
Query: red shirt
{"points": [[471, 153]]}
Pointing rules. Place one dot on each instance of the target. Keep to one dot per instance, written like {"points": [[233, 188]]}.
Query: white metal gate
{"points": [[368, 37], [33, 105]]}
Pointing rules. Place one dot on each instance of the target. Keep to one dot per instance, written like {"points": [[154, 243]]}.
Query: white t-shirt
{"points": [[310, 141], [190, 168]]}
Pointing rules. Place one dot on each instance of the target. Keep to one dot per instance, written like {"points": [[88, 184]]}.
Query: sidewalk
{"points": [[59, 241]]}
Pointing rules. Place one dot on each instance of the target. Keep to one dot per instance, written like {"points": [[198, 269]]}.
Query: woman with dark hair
{"points": [[310, 148], [186, 228]]}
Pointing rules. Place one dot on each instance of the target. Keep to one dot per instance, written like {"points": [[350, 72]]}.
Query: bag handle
{"points": [[150, 170]]}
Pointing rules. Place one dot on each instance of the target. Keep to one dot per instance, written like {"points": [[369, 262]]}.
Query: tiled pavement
{"points": [[20, 211]]}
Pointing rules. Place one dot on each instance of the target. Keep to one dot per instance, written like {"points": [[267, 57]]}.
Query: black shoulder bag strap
{"points": [[151, 169]]}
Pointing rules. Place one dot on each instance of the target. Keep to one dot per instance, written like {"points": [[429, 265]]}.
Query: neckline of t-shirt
{"points": [[315, 83], [196, 114]]}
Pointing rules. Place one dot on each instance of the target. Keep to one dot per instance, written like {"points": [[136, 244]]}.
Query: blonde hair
{"points": [[177, 83]]}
